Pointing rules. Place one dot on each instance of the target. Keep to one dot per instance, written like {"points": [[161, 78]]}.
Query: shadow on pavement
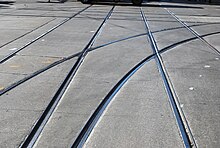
{"points": [[144, 4], [147, 3]]}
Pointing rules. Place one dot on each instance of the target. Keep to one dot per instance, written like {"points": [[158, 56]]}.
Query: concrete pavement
{"points": [[140, 114]]}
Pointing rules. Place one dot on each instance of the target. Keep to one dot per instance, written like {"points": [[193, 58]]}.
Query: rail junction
{"points": [[109, 74]]}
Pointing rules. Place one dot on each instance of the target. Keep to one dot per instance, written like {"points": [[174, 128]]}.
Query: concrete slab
{"points": [[66, 40], [26, 64], [139, 115], [28, 37], [14, 125], [14, 27], [192, 68], [22, 106], [168, 37], [194, 73], [9, 35], [213, 40], [62, 137], [11, 22], [101, 70], [38, 90], [9, 78]]}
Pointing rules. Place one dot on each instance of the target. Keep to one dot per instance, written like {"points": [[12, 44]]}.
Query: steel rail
{"points": [[170, 92], [21, 81], [17, 83], [26, 15], [42, 35], [174, 28], [193, 32], [42, 121], [27, 33], [95, 117], [91, 49]]}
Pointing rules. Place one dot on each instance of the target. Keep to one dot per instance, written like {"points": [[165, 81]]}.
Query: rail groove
{"points": [[94, 118], [27, 32], [171, 94], [39, 37], [193, 32], [42, 121], [17, 83]]}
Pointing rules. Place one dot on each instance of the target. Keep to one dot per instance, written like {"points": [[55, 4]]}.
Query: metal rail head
{"points": [[9, 56], [94, 118], [193, 32], [176, 111], [40, 124]]}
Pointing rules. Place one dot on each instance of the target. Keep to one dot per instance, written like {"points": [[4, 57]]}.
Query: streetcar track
{"points": [[187, 138], [6, 89], [116, 88], [187, 40], [42, 35], [89, 17], [185, 22], [40, 124], [43, 15], [27, 33], [174, 28], [56, 10], [183, 15], [94, 118], [193, 32], [41, 56], [10, 87]]}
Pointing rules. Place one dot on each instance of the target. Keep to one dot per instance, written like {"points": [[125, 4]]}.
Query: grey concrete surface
{"points": [[14, 26], [140, 114], [14, 125], [193, 68], [24, 104], [28, 36], [94, 80], [197, 85]]}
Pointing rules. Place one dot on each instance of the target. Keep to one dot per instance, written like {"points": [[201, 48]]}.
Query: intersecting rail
{"points": [[9, 56], [40, 124], [167, 84]]}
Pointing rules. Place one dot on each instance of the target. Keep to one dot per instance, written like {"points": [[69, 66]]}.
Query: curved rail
{"points": [[17, 83], [94, 118]]}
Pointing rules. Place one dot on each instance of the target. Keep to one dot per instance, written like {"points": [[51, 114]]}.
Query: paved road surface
{"points": [[41, 42]]}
